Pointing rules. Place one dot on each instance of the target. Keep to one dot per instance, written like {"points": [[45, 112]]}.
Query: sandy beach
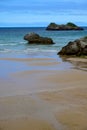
{"points": [[43, 94]]}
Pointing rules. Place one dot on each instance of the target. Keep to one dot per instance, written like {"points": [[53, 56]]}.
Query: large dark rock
{"points": [[34, 38], [77, 47], [68, 26]]}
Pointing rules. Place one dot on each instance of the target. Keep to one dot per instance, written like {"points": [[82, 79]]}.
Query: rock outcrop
{"points": [[68, 26], [77, 47], [34, 38]]}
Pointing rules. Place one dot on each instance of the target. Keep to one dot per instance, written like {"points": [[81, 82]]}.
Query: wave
{"points": [[39, 50], [12, 44], [5, 50], [7, 44], [28, 50]]}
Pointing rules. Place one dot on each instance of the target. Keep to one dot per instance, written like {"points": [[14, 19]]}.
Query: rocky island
{"points": [[34, 38], [77, 47], [68, 26]]}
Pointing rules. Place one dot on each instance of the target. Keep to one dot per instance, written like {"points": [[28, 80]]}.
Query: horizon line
{"points": [[31, 26]]}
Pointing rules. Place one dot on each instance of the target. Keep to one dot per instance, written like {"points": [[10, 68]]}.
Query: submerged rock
{"points": [[68, 26], [77, 47], [34, 38]]}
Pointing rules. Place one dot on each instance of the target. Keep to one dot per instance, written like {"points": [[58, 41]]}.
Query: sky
{"points": [[37, 13]]}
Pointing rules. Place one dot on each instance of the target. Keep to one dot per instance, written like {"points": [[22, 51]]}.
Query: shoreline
{"points": [[42, 91]]}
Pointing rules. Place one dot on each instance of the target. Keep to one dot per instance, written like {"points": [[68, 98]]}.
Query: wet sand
{"points": [[40, 95], [25, 124]]}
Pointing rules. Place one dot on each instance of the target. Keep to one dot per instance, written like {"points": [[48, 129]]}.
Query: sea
{"points": [[12, 41]]}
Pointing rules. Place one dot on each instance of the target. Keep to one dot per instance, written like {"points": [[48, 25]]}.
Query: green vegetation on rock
{"points": [[71, 24]]}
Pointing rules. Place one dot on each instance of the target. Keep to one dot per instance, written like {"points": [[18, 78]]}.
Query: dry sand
{"points": [[43, 98]]}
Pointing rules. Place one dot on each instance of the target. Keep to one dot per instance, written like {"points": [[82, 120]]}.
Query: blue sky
{"points": [[41, 13]]}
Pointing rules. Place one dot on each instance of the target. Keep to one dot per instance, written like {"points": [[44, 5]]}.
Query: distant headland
{"points": [[68, 26]]}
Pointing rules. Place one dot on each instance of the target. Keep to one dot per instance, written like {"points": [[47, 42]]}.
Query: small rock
{"points": [[34, 38]]}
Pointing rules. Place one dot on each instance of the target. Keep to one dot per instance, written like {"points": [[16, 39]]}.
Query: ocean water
{"points": [[12, 42]]}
